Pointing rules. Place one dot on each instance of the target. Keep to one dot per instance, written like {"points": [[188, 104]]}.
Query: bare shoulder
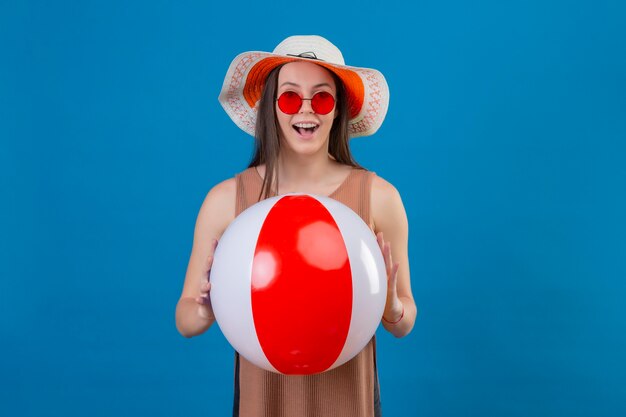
{"points": [[226, 188], [218, 208], [382, 188], [386, 204]]}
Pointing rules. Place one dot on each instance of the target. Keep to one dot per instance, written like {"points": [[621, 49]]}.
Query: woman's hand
{"points": [[204, 299], [393, 306]]}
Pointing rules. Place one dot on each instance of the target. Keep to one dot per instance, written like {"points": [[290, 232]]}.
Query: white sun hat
{"points": [[366, 89]]}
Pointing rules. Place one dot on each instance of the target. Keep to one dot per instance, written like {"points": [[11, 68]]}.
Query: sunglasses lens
{"points": [[289, 102], [322, 103]]}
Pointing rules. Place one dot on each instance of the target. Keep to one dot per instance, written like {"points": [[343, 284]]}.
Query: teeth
{"points": [[305, 125]]}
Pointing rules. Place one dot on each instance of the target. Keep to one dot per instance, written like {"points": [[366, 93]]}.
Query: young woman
{"points": [[302, 103]]}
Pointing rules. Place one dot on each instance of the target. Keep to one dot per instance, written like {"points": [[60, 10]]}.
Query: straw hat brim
{"points": [[366, 89]]}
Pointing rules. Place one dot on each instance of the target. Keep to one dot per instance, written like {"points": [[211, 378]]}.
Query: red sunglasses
{"points": [[290, 102]]}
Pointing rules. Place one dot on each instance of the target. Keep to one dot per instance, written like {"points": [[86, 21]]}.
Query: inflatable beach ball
{"points": [[298, 284]]}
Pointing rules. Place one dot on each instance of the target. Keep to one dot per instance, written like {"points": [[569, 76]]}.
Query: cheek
{"points": [[283, 122], [331, 119]]}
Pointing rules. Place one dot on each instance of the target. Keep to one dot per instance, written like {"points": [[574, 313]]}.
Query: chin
{"points": [[310, 148], [305, 145]]}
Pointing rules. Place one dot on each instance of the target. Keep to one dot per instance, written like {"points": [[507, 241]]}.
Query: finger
{"points": [[386, 258], [209, 259], [387, 253], [203, 300], [394, 276], [392, 282], [380, 240], [208, 263]]}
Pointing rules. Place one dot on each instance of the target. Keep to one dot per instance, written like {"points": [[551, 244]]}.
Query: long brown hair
{"points": [[267, 141]]}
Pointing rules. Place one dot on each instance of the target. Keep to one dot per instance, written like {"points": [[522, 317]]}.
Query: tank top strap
{"points": [[248, 189], [355, 193]]}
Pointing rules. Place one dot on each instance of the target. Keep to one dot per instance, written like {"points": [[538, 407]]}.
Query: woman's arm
{"points": [[194, 314], [392, 230]]}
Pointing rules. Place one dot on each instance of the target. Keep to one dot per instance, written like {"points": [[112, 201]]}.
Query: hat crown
{"points": [[310, 46]]}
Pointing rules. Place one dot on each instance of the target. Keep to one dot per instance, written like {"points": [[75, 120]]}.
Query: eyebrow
{"points": [[298, 85]]}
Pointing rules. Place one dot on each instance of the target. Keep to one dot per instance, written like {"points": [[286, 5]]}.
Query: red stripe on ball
{"points": [[301, 287]]}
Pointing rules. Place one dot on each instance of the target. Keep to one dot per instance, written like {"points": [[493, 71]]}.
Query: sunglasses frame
{"points": [[309, 99]]}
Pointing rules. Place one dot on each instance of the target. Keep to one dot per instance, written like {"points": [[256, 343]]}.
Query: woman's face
{"points": [[305, 132]]}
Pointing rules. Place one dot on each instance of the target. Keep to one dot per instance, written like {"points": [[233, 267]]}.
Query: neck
{"points": [[304, 170]]}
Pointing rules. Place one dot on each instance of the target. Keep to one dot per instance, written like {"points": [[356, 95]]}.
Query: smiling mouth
{"points": [[305, 128]]}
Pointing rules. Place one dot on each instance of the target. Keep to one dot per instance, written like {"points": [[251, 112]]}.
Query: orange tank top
{"points": [[349, 390]]}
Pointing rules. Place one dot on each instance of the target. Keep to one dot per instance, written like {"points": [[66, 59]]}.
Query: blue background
{"points": [[506, 136]]}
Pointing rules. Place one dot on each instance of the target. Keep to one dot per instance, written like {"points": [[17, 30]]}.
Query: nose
{"points": [[306, 106]]}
